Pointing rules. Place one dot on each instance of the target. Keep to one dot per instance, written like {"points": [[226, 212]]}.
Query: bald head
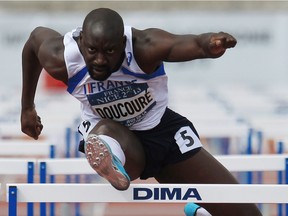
{"points": [[103, 21], [102, 42]]}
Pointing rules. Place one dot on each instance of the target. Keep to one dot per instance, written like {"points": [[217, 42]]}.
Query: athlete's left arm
{"points": [[157, 45]]}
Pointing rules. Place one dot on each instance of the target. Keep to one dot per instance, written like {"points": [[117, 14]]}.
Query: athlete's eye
{"points": [[91, 49], [110, 51]]}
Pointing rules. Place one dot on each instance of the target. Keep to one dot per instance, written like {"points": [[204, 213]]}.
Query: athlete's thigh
{"points": [[203, 168], [131, 146]]}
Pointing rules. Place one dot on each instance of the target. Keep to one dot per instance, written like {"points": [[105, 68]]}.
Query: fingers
{"points": [[37, 131], [224, 40], [38, 128], [33, 132], [219, 42], [33, 129], [230, 42], [35, 136]]}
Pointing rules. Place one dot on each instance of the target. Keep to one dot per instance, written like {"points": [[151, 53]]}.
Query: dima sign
{"points": [[165, 194]]}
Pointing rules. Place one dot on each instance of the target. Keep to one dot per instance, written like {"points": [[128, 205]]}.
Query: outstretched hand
{"points": [[219, 42], [31, 123]]}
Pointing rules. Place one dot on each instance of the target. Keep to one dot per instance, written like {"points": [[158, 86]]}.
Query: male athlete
{"points": [[117, 74]]}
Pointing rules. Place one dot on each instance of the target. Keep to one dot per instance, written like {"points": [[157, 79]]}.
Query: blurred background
{"points": [[238, 103], [259, 26]]}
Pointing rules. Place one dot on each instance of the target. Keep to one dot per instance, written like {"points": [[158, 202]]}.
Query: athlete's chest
{"points": [[111, 92], [124, 101]]}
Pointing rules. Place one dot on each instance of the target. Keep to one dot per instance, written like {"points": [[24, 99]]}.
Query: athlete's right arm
{"points": [[33, 62]]}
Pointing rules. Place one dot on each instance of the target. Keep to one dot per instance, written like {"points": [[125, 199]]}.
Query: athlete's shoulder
{"points": [[43, 35], [46, 41], [144, 49], [72, 54], [49, 47]]}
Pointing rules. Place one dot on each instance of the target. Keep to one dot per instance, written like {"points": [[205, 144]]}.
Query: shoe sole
{"points": [[101, 160]]}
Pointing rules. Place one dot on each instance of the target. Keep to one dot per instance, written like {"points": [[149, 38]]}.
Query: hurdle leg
{"points": [[280, 178], [30, 179], [286, 182], [12, 209], [249, 152], [52, 180], [42, 180]]}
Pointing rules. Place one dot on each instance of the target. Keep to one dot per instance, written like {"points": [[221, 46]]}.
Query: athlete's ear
{"points": [[81, 35]]}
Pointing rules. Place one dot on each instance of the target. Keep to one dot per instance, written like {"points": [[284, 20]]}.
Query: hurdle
{"points": [[78, 166], [234, 163], [25, 166], [26, 148], [237, 163], [263, 162], [156, 193], [23, 150], [13, 166], [61, 166]]}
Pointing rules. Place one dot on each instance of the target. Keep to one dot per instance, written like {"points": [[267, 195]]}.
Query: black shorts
{"points": [[160, 145]]}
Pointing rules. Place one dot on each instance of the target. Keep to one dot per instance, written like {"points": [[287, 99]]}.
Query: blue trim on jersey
{"points": [[159, 72], [73, 81]]}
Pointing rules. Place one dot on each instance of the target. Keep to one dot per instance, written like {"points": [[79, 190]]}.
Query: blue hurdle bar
{"points": [[30, 179]]}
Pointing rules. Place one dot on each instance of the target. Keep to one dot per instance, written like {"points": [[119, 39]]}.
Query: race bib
{"points": [[187, 139], [126, 104]]}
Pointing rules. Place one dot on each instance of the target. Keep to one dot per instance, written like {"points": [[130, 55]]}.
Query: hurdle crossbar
{"points": [[13, 166], [64, 166], [161, 193], [25, 148], [77, 166], [275, 162]]}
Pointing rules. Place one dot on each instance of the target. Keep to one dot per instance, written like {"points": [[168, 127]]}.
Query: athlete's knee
{"points": [[128, 141], [107, 127]]}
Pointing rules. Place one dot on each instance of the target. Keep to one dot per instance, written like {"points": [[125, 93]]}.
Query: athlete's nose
{"points": [[100, 59]]}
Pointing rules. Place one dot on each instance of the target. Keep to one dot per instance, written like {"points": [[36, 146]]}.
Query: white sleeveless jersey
{"points": [[129, 96]]}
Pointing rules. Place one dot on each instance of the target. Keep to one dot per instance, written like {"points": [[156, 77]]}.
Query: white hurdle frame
{"points": [[262, 162], [61, 166], [160, 193], [237, 163], [10, 149], [26, 148], [17, 166], [71, 192], [22, 166], [64, 166]]}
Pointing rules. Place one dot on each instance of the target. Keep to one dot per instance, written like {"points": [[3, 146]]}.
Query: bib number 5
{"points": [[186, 139]]}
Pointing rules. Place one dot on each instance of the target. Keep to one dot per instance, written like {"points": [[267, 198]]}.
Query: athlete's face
{"points": [[102, 54]]}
